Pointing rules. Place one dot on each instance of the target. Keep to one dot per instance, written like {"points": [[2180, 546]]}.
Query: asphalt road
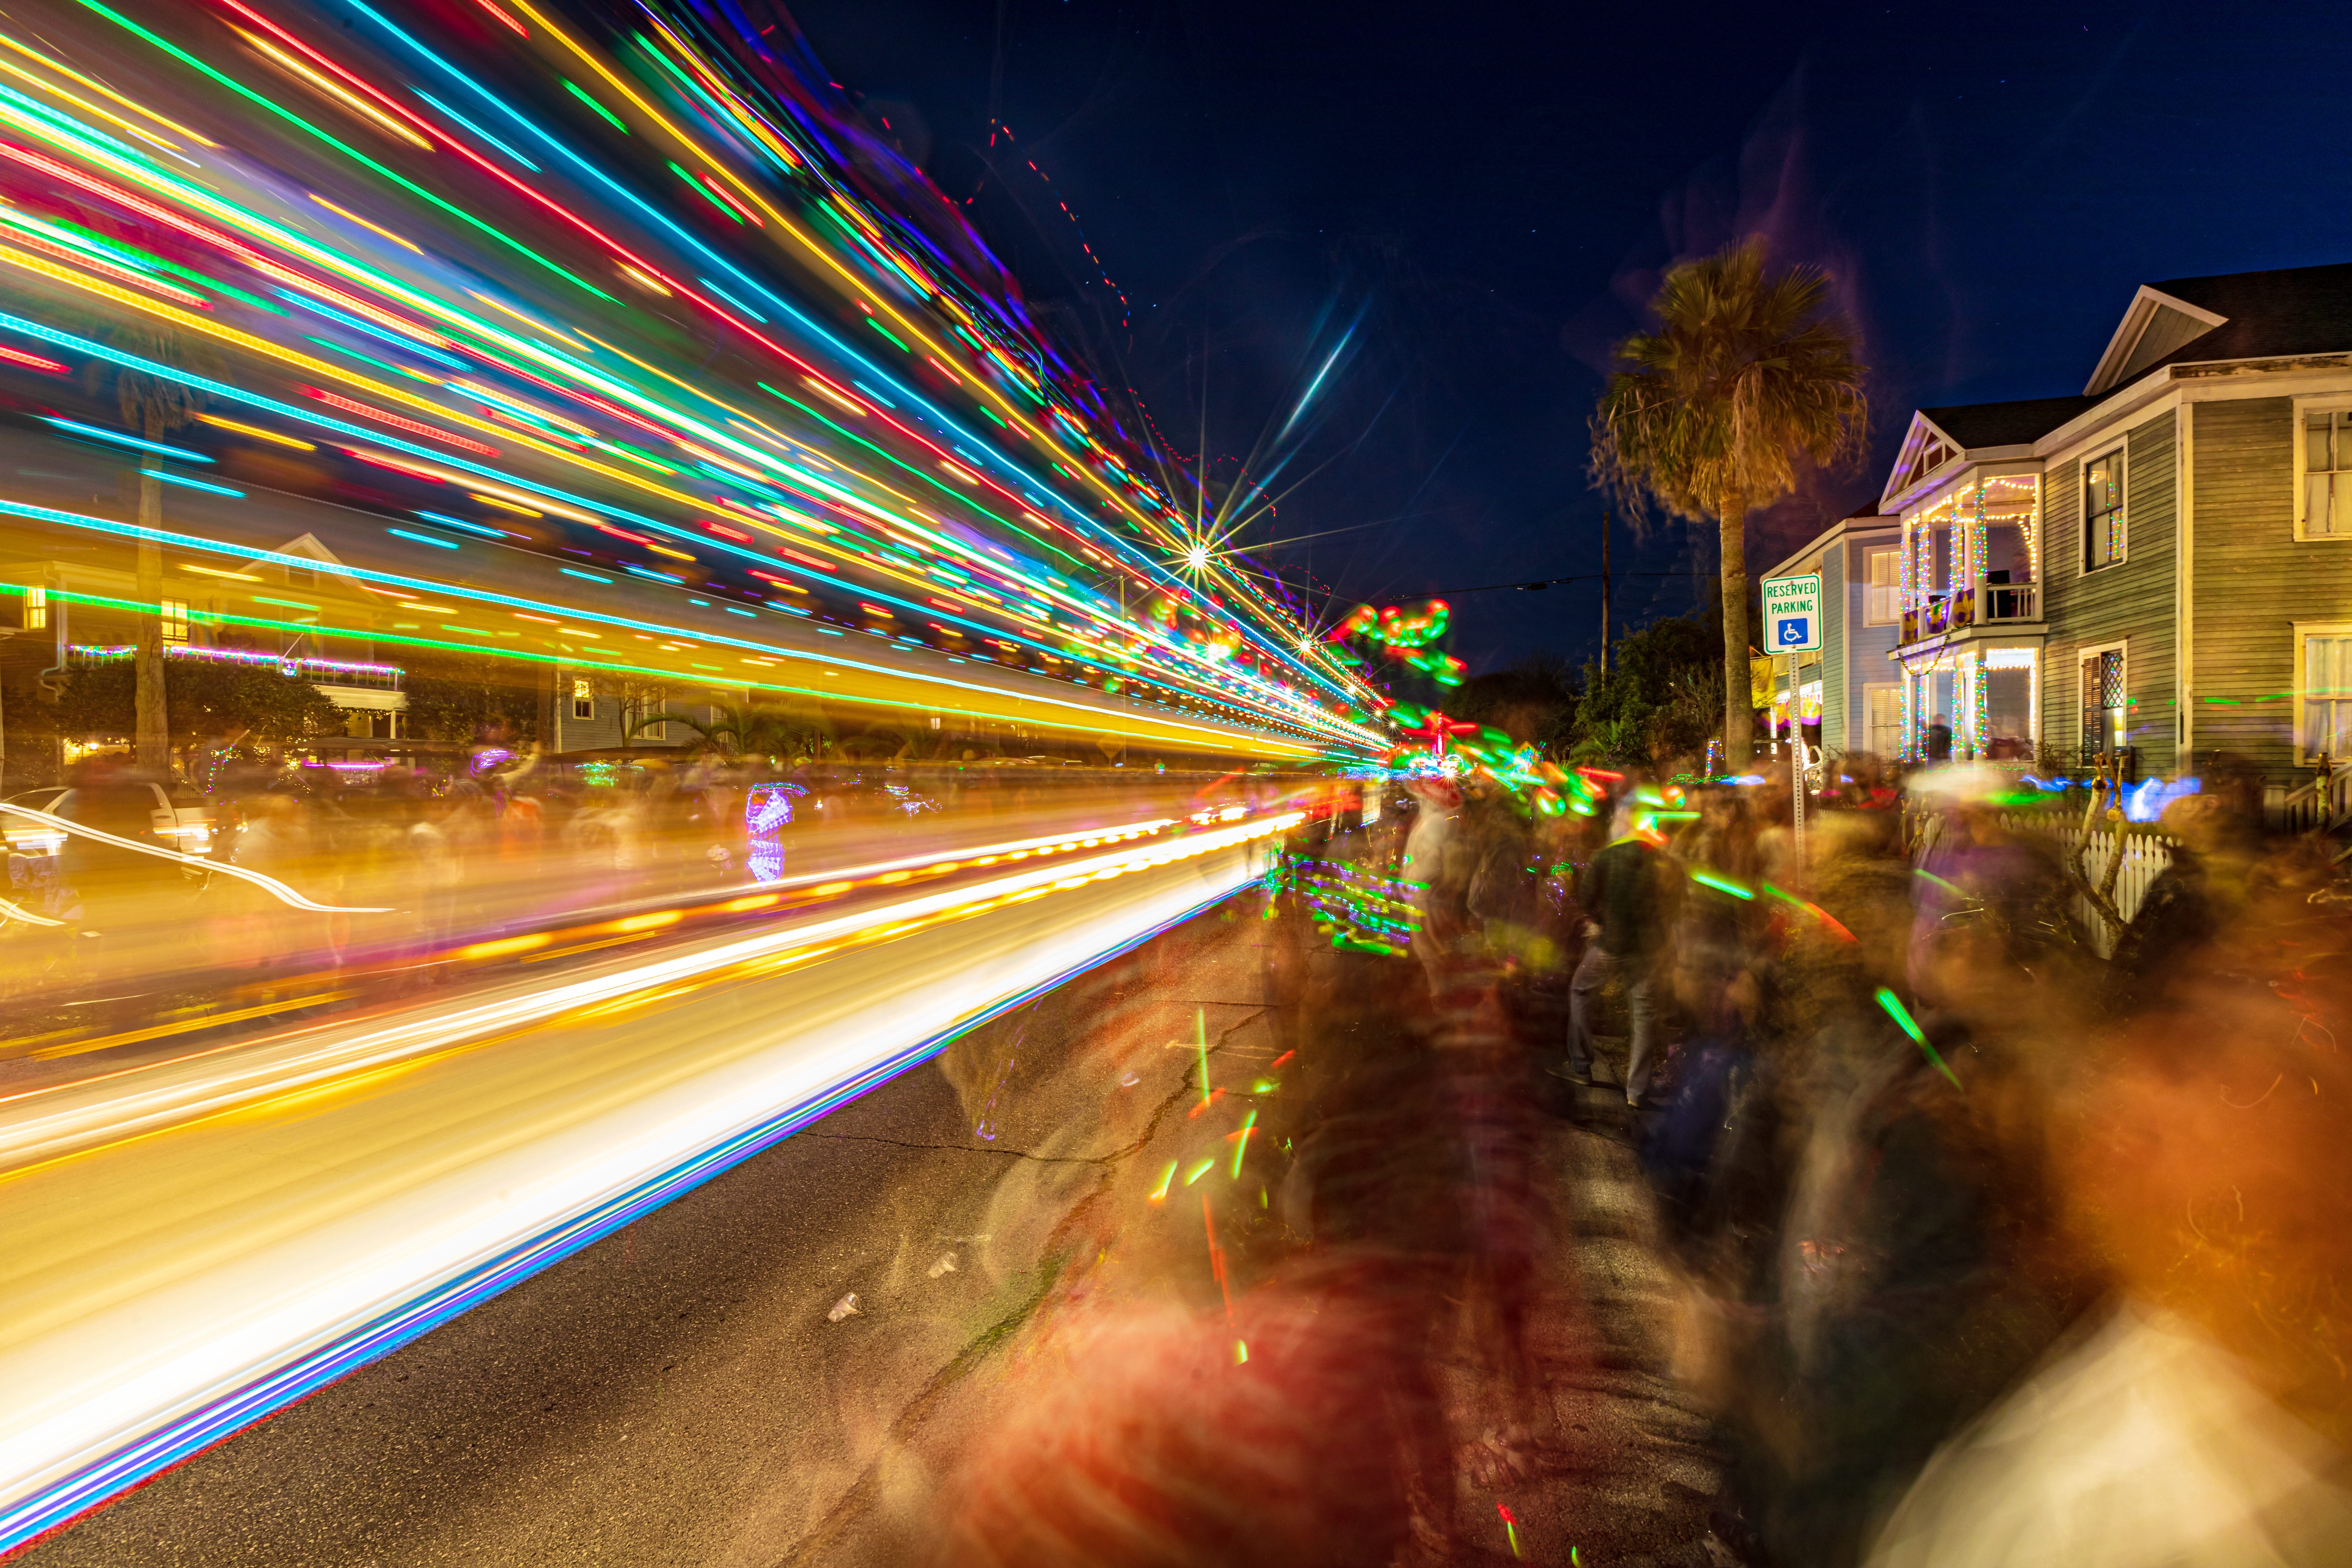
{"points": [[687, 1391]]}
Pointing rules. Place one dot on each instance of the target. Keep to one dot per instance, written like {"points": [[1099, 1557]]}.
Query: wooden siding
{"points": [[2132, 601], [1835, 619], [1866, 646], [2252, 580]]}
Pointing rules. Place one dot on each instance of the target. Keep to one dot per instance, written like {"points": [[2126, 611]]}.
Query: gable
{"points": [[1924, 450], [308, 546], [2155, 326]]}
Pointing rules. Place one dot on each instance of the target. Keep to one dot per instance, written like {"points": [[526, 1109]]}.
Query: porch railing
{"points": [[2324, 805], [1997, 602], [1986, 604]]}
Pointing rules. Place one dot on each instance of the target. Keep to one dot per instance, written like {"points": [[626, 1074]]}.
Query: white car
{"points": [[181, 821]]}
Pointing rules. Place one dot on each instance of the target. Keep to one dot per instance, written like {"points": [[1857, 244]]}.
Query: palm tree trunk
{"points": [[1738, 718], [152, 746]]}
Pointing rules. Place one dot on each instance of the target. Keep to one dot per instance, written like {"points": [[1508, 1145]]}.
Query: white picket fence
{"points": [[2145, 857]]}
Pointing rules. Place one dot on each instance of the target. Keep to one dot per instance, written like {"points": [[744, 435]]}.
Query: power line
{"points": [[1538, 585]]}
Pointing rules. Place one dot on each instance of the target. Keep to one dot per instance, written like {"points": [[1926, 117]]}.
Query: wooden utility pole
{"points": [[1605, 591]]}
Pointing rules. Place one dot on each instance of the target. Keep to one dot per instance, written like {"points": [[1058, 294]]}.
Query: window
{"points": [[2324, 692], [175, 619], [1884, 705], [2328, 474], [2102, 511], [1882, 607], [584, 699], [37, 609], [2104, 703]]}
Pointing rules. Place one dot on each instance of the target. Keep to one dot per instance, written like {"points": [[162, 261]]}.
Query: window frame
{"points": [[2121, 453], [2303, 629], [583, 695], [1895, 689], [2334, 403], [32, 611], [174, 615], [1871, 552], [2121, 645]]}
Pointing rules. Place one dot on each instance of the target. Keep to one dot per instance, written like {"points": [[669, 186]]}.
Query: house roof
{"points": [[2291, 311], [2014, 424], [2279, 314]]}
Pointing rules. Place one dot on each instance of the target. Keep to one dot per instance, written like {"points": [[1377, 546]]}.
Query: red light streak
{"points": [[398, 422]]}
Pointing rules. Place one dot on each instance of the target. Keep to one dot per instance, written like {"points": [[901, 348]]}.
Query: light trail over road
{"points": [[191, 1247]]}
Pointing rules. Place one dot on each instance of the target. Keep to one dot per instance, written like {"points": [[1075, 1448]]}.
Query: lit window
{"points": [[1885, 604], [2104, 704], [2326, 696], [175, 619], [584, 699], [37, 609], [2328, 475], [1886, 737], [2102, 511]]}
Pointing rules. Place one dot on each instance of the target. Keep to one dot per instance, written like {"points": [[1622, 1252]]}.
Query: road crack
{"points": [[967, 1149]]}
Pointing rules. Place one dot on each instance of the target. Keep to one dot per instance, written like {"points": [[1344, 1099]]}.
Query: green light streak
{"points": [[576, 90], [1902, 1015], [1708, 879]]}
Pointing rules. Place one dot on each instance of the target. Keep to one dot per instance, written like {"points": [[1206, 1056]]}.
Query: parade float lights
{"points": [[909, 527]]}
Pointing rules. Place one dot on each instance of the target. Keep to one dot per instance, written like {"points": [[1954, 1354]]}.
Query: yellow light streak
{"points": [[100, 88], [88, 108], [342, 95], [376, 228], [257, 433]]}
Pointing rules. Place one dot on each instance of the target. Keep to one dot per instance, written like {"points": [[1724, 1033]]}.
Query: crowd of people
{"points": [[2003, 1231]]}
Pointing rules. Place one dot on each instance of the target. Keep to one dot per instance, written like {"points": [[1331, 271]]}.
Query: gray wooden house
{"points": [[2161, 565]]}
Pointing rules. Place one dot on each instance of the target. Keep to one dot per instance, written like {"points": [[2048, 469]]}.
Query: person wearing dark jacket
{"points": [[1620, 895]]}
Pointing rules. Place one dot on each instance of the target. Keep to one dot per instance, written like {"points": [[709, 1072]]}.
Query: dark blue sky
{"points": [[1486, 192]]}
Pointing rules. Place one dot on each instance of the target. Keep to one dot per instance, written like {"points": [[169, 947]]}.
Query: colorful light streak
{"points": [[1098, 529]]}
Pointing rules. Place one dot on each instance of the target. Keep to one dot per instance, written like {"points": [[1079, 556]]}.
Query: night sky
{"points": [[1468, 204]]}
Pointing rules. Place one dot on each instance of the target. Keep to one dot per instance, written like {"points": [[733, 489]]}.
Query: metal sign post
{"points": [[1796, 758], [1793, 625]]}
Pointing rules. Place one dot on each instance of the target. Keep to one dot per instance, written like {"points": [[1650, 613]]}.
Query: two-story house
{"points": [[2160, 566], [1847, 697]]}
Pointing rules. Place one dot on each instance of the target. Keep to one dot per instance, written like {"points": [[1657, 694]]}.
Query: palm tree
{"points": [[155, 407], [1747, 370]]}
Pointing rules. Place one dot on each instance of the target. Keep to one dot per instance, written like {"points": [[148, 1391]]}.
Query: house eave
{"points": [[1844, 527], [1976, 457], [2134, 327]]}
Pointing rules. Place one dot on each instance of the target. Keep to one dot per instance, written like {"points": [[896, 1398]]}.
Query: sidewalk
{"points": [[1643, 1471]]}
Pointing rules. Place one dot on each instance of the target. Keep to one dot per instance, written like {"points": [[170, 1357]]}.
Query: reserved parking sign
{"points": [[1792, 613]]}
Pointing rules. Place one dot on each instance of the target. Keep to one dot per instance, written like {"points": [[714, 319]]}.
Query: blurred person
{"points": [[2193, 902], [2203, 1417], [1169, 1439], [1914, 1267], [1622, 898], [1678, 1150], [1440, 859]]}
